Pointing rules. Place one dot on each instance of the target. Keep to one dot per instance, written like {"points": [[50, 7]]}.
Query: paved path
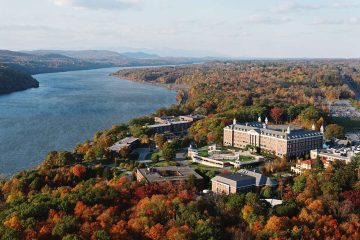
{"points": [[143, 152], [181, 157]]}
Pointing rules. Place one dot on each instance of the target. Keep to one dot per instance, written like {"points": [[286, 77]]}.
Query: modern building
{"points": [[169, 173], [128, 142], [280, 140], [221, 160], [345, 155], [176, 125], [241, 181]]}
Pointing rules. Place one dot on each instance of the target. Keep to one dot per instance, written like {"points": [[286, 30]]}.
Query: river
{"points": [[67, 109]]}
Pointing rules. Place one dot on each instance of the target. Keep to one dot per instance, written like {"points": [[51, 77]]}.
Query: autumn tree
{"points": [[276, 114], [334, 131], [78, 170], [160, 140]]}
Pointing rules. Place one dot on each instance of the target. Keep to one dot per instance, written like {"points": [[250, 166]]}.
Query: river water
{"points": [[68, 108]]}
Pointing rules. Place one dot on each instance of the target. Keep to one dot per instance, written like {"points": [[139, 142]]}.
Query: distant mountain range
{"points": [[46, 61], [42, 61]]}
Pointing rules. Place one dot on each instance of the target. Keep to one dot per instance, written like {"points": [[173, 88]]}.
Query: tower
{"points": [[313, 127]]}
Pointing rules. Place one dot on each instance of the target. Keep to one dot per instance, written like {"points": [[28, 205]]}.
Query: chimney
{"points": [[288, 131]]}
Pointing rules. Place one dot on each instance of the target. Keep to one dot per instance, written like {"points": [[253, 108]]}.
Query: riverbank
{"points": [[69, 108], [14, 81]]}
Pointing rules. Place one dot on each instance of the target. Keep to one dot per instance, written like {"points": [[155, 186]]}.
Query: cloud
{"points": [[290, 6], [26, 27], [350, 21], [99, 4], [256, 19]]}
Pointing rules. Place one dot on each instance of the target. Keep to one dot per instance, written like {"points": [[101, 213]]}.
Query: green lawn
{"points": [[202, 167], [203, 153], [150, 155], [162, 164], [246, 158]]}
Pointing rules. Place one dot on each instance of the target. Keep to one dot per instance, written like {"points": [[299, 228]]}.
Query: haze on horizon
{"points": [[254, 29]]}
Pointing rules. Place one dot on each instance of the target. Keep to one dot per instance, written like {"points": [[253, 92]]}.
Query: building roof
{"points": [[273, 202], [125, 142], [244, 178], [308, 161], [279, 131], [169, 173], [260, 178], [158, 125]]}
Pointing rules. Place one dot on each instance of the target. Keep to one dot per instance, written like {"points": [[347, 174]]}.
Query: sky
{"points": [[229, 28]]}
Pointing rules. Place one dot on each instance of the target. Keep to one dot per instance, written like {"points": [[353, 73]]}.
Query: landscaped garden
{"points": [[246, 158]]}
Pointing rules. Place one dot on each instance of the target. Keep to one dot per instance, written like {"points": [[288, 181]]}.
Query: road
{"points": [[348, 80]]}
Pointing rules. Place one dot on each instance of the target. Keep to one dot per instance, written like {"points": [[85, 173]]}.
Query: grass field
{"points": [[150, 155], [162, 164], [246, 158]]}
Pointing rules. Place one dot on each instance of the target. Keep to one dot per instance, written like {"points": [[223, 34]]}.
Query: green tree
{"points": [[102, 235], [55, 158], [160, 140], [334, 131], [68, 225], [168, 152], [137, 131], [155, 158], [319, 165], [299, 184], [235, 202], [266, 192], [71, 237]]}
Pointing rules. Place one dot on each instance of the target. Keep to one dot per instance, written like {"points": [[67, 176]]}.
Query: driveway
{"points": [[181, 157], [142, 153]]}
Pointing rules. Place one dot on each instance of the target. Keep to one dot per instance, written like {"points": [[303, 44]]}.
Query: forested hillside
{"points": [[295, 91], [253, 82], [11, 81], [70, 197], [84, 195]]}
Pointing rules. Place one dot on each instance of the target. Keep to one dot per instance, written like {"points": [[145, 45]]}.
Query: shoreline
{"points": [[171, 86], [10, 174]]}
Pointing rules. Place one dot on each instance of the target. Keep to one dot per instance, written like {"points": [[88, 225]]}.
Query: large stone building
{"points": [[278, 139]]}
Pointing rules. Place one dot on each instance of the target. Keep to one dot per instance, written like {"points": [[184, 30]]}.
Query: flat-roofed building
{"points": [[176, 125], [169, 173], [241, 181], [128, 142], [345, 155], [281, 140]]}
